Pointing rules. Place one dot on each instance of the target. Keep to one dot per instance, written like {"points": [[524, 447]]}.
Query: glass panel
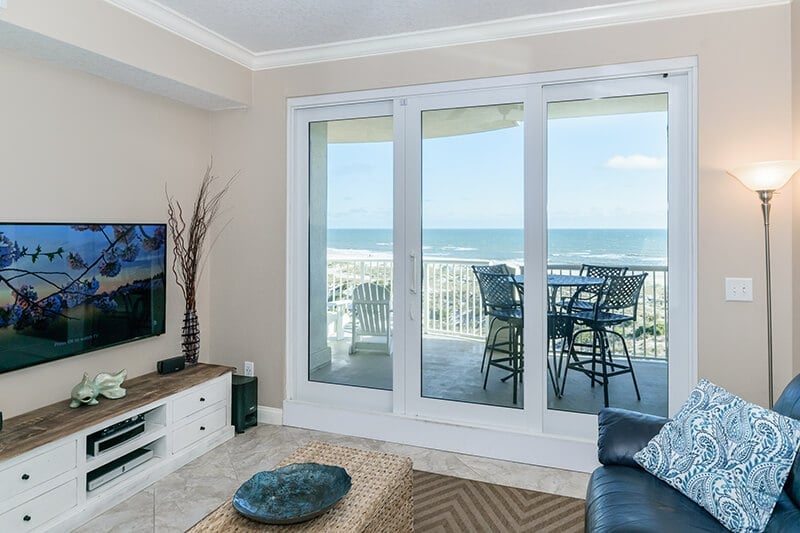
{"points": [[472, 214], [607, 210], [350, 252]]}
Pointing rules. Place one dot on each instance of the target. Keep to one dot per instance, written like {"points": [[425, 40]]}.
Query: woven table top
{"points": [[379, 499]]}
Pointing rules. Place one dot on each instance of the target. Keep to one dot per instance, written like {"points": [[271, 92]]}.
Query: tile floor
{"points": [[182, 498], [451, 371]]}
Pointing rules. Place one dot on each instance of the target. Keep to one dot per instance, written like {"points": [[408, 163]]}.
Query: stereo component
{"points": [[245, 402], [172, 364], [126, 463], [115, 434]]}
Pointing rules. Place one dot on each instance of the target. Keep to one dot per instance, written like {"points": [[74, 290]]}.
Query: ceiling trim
{"points": [[595, 17], [190, 30]]}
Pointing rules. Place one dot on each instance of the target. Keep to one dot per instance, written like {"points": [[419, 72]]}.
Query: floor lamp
{"points": [[765, 178]]}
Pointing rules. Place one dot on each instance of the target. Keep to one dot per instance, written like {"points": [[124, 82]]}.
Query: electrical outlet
{"points": [[249, 369], [739, 289]]}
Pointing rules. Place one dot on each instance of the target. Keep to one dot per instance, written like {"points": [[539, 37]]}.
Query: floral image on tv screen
{"points": [[66, 289]]}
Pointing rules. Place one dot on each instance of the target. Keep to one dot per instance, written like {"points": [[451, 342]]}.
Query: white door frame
{"points": [[297, 383], [680, 218], [416, 404]]}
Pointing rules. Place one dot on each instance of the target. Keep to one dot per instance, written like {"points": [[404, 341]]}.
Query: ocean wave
{"points": [[338, 253]]}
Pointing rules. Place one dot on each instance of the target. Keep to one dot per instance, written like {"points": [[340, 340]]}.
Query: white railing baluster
{"points": [[451, 301]]}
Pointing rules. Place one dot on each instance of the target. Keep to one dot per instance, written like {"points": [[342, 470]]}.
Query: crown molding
{"points": [[174, 22], [594, 17]]}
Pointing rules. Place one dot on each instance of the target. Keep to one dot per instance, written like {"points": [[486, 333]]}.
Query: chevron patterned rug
{"points": [[445, 504]]}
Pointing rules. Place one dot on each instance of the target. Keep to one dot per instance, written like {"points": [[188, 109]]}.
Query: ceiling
{"points": [[263, 34], [263, 26]]}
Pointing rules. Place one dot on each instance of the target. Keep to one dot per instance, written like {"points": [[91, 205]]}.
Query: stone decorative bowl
{"points": [[292, 494]]}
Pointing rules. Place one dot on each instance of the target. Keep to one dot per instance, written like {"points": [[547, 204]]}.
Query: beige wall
{"points": [[75, 148], [744, 115]]}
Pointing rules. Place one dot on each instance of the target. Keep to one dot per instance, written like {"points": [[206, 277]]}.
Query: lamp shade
{"points": [[766, 175]]}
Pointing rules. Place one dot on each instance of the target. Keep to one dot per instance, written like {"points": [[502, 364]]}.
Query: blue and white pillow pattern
{"points": [[729, 456]]}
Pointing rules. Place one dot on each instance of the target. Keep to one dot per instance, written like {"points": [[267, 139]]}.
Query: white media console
{"points": [[51, 480]]}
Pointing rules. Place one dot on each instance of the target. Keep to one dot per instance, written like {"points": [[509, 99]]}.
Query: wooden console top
{"points": [[36, 428]]}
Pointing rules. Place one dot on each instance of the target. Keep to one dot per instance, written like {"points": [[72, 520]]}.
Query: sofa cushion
{"points": [[730, 456], [621, 498], [792, 487], [789, 404], [622, 433]]}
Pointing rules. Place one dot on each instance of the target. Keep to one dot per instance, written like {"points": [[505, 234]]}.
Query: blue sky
{"points": [[603, 172]]}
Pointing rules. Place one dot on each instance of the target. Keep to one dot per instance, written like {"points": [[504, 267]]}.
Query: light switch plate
{"points": [[739, 289]]}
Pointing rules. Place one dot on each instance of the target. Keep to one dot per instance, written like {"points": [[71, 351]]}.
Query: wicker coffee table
{"points": [[379, 500]]}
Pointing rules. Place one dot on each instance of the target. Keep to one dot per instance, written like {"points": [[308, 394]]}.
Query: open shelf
{"points": [[154, 426], [129, 473]]}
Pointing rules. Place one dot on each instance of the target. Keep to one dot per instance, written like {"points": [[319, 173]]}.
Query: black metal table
{"points": [[555, 282]]}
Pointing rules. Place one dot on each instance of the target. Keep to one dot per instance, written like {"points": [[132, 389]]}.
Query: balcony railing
{"points": [[451, 299]]}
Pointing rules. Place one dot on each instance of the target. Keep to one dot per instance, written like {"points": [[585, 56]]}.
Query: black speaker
{"points": [[173, 364], [245, 402]]}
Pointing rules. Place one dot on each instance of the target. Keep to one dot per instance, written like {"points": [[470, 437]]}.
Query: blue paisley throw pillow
{"points": [[729, 456]]}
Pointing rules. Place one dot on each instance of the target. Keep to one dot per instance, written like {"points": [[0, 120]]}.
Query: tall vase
{"points": [[190, 337]]}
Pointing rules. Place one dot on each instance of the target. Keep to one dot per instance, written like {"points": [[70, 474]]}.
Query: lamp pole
{"points": [[766, 196]]}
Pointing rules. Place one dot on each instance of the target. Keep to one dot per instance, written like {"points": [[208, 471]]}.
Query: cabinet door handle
{"points": [[26, 477], [27, 518], [202, 428], [202, 399]]}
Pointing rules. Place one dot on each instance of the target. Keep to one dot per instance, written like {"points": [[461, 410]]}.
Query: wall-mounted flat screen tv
{"points": [[67, 289]]}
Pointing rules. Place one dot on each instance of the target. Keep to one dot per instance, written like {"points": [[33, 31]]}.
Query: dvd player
{"points": [[126, 463], [114, 435]]}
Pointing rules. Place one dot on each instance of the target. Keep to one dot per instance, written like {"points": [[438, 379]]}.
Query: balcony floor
{"points": [[451, 371]]}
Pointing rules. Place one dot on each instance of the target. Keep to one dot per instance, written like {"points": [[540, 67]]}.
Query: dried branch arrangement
{"points": [[189, 240]]}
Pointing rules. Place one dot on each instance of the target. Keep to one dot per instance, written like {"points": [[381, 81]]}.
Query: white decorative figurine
{"points": [[103, 384]]}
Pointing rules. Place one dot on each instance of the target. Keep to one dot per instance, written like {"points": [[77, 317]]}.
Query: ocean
{"points": [[628, 247]]}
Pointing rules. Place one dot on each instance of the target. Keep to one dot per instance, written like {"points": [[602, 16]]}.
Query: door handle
{"points": [[413, 287]]}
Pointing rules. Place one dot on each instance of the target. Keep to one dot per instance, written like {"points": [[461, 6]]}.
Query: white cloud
{"points": [[636, 162]]}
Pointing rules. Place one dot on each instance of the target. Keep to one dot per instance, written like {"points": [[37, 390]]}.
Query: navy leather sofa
{"points": [[623, 497]]}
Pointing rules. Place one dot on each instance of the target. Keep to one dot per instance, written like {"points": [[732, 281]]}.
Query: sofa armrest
{"points": [[622, 433]]}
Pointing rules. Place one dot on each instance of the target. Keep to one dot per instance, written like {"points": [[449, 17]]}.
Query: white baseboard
{"points": [[270, 415], [521, 447]]}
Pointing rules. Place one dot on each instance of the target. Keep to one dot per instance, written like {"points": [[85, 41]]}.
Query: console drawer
{"points": [[40, 510], [32, 472], [200, 398], [199, 427]]}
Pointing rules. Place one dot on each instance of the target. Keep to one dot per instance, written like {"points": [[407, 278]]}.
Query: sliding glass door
{"points": [[611, 153], [455, 246], [465, 242], [347, 154]]}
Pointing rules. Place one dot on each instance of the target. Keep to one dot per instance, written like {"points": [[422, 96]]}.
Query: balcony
{"points": [[454, 330]]}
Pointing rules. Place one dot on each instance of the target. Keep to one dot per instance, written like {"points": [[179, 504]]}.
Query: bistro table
{"points": [[555, 282]]}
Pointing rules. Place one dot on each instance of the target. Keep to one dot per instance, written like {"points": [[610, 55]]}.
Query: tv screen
{"points": [[67, 289]]}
